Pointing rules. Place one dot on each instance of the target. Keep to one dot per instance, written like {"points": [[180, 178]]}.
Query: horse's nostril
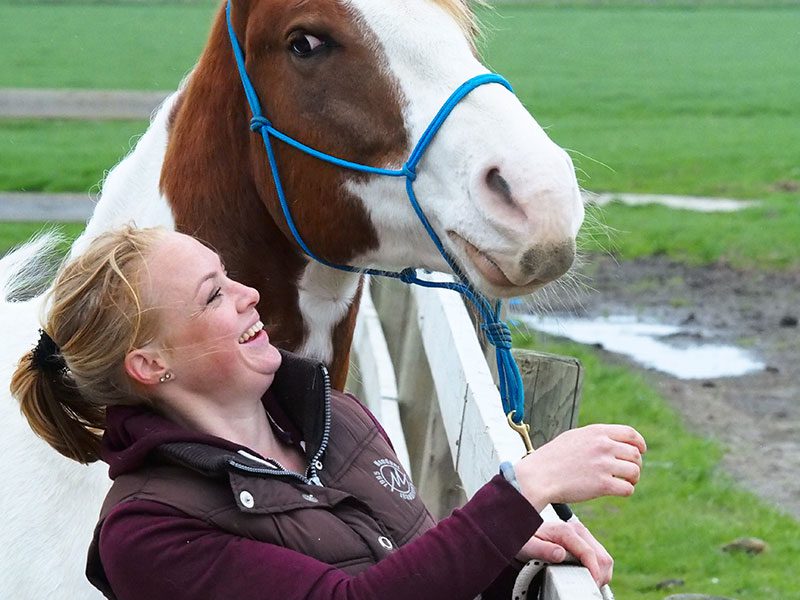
{"points": [[497, 184]]}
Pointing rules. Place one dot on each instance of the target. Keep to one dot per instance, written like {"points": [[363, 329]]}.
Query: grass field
{"points": [[59, 156], [701, 100], [690, 507], [14, 234], [75, 45]]}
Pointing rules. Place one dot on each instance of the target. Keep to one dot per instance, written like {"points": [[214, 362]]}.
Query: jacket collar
{"points": [[298, 401]]}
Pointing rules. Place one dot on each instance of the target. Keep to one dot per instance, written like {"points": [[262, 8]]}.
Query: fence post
{"points": [[552, 392]]}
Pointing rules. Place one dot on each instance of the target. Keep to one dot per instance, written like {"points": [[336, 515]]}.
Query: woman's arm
{"points": [[155, 552]]}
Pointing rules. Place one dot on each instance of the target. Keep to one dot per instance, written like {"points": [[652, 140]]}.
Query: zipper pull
{"points": [[315, 480]]}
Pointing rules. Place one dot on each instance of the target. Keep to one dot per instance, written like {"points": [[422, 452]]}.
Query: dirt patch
{"points": [[757, 416]]}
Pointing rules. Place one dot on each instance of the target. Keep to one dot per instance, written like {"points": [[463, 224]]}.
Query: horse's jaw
{"points": [[501, 195]]}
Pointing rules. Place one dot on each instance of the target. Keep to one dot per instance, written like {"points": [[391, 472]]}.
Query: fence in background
{"points": [[418, 364]]}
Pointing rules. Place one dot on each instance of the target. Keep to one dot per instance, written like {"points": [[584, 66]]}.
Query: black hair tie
{"points": [[47, 355]]}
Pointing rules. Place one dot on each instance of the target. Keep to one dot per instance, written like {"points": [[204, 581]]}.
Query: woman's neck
{"points": [[244, 422]]}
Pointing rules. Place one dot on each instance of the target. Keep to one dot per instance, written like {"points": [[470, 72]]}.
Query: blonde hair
{"points": [[96, 316]]}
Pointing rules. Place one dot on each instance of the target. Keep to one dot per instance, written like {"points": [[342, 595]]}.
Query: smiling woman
{"points": [[231, 457]]}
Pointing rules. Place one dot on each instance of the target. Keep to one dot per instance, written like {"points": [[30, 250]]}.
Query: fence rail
{"points": [[418, 364]]}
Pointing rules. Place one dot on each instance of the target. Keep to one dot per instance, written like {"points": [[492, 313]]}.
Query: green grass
{"points": [[700, 101], [126, 46], [14, 234], [677, 97], [684, 508], [764, 237], [57, 156]]}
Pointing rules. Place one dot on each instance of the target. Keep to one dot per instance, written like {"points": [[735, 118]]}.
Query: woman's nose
{"points": [[248, 297]]}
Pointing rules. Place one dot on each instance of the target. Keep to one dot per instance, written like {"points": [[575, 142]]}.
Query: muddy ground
{"points": [[756, 416]]}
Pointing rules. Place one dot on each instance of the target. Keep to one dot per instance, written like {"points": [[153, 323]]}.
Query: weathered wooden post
{"points": [[552, 392]]}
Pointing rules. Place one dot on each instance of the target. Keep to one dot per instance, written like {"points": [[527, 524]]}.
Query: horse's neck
{"points": [[209, 181]]}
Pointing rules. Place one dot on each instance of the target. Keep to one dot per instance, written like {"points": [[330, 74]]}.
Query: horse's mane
{"points": [[461, 11]]}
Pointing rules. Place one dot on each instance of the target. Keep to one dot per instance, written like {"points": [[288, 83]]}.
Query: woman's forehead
{"points": [[178, 263]]}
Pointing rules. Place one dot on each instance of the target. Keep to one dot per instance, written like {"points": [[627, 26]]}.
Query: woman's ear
{"points": [[145, 366]]}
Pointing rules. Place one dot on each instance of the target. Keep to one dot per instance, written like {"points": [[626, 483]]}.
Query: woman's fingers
{"points": [[541, 549], [629, 471], [628, 435], [582, 550], [627, 452], [604, 560], [554, 539], [568, 538], [614, 486]]}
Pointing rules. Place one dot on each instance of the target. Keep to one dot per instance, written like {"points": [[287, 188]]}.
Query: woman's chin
{"points": [[272, 360]]}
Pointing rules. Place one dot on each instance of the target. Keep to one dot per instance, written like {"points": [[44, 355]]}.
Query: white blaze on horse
{"points": [[358, 79]]}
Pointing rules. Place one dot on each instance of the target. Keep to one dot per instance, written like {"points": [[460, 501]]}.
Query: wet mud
{"points": [[755, 416]]}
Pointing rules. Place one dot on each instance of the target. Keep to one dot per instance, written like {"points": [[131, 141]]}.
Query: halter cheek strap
{"points": [[497, 332]]}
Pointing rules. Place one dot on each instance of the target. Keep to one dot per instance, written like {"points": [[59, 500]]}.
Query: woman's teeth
{"points": [[251, 332]]}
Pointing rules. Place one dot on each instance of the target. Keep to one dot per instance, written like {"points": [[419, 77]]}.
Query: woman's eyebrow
{"points": [[205, 278]]}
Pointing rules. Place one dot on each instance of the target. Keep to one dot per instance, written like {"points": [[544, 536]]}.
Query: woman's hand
{"points": [[581, 464], [553, 540]]}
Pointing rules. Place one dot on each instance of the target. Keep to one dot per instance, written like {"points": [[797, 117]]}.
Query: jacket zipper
{"points": [[312, 467], [313, 478]]}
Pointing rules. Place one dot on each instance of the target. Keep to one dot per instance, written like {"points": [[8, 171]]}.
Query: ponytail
{"points": [[57, 412], [97, 316]]}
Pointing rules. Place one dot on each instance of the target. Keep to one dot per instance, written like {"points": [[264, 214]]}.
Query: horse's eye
{"points": [[305, 44]]}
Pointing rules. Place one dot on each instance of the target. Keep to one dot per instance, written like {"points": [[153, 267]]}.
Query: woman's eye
{"points": [[217, 294], [305, 44]]}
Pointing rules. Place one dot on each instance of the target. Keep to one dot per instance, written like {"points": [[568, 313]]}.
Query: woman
{"points": [[238, 471]]}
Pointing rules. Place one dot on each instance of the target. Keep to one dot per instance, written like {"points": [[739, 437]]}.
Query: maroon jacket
{"points": [[153, 546]]}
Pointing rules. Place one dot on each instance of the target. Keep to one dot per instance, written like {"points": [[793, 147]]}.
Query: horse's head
{"points": [[361, 79]]}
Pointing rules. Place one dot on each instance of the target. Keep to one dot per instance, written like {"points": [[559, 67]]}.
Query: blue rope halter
{"points": [[497, 332]]}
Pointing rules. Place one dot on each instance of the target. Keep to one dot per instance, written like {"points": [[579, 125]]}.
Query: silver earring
{"points": [[165, 377]]}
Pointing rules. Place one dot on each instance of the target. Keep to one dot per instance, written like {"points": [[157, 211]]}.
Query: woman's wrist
{"points": [[507, 471], [537, 493]]}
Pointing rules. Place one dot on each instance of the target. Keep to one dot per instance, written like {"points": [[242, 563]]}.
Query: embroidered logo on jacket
{"points": [[392, 476]]}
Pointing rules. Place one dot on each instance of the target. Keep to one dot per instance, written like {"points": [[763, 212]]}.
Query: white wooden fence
{"points": [[419, 366]]}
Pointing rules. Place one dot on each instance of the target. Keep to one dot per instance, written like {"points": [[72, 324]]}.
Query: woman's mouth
{"points": [[255, 331]]}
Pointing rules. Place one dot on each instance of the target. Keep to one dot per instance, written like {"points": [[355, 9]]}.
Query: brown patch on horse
{"points": [[215, 172], [342, 340]]}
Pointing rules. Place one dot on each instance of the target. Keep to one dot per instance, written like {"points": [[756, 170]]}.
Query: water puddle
{"points": [[672, 349], [693, 203]]}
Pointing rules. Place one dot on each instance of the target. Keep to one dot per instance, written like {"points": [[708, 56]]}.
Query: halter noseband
{"points": [[497, 332]]}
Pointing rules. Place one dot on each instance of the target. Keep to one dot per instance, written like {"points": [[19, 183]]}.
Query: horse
{"points": [[358, 79]]}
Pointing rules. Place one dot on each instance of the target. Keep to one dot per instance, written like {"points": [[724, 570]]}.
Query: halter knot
{"points": [[409, 172], [408, 275], [498, 334], [258, 123]]}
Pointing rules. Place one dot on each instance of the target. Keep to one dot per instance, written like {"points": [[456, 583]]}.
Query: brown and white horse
{"points": [[359, 79]]}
